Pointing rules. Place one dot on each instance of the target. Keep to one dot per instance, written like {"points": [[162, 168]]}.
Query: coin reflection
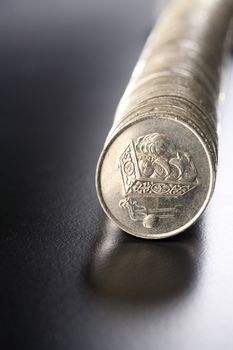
{"points": [[136, 270]]}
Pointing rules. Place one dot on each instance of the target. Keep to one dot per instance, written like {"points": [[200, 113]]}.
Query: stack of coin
{"points": [[157, 170]]}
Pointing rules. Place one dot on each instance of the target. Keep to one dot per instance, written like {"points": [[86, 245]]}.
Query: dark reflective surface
{"points": [[136, 271]]}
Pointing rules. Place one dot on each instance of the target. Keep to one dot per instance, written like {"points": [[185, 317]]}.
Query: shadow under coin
{"points": [[134, 270]]}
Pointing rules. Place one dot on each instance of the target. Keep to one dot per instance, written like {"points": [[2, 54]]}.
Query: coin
{"points": [[157, 171], [155, 177]]}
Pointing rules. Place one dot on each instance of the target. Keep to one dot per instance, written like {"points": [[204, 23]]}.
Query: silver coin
{"points": [[155, 178]]}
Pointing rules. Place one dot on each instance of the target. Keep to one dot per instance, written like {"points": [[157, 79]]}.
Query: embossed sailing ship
{"points": [[152, 168]]}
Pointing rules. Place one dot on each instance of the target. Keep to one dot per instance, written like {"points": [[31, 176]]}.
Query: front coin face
{"points": [[155, 177]]}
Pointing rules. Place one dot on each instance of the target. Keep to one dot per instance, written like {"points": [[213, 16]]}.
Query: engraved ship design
{"points": [[152, 167]]}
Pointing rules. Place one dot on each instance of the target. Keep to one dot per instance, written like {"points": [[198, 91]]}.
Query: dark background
{"points": [[69, 279]]}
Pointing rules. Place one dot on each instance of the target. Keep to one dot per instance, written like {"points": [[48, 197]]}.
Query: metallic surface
{"points": [[157, 171], [156, 208]]}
